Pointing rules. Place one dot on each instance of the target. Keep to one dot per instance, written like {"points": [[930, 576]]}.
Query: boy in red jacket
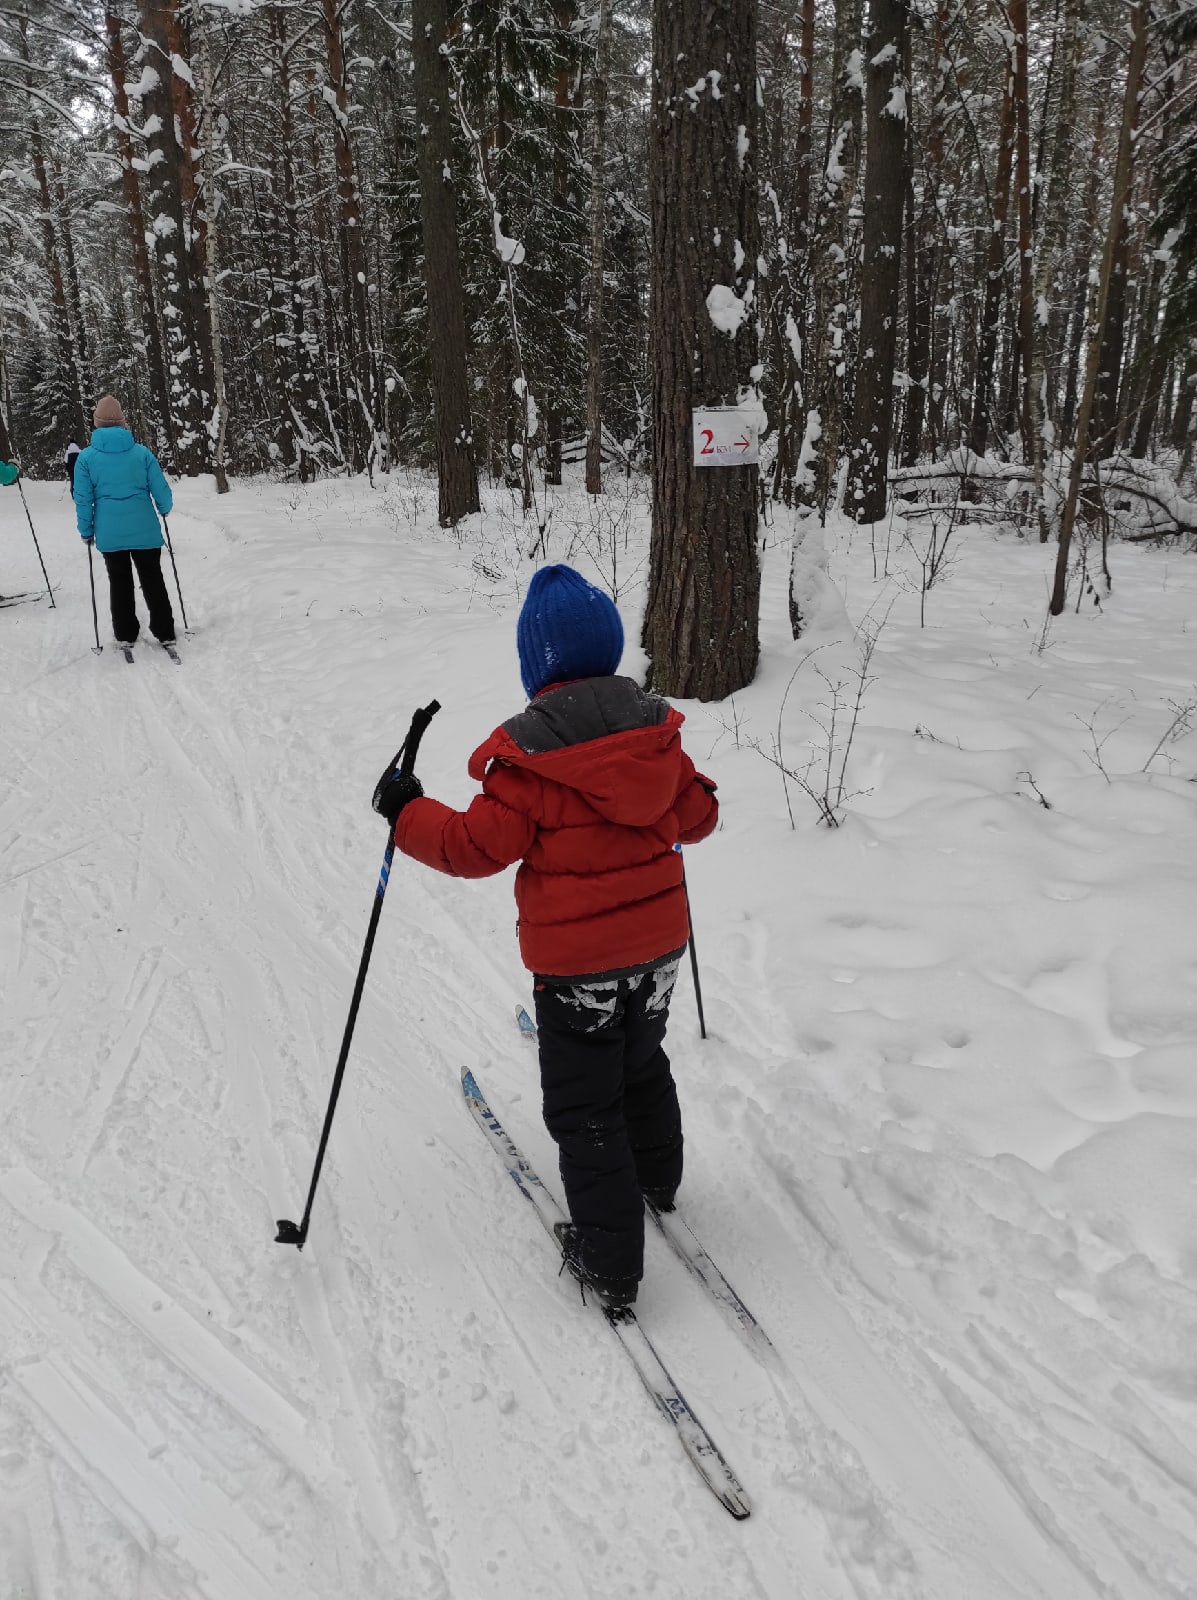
{"points": [[590, 790]]}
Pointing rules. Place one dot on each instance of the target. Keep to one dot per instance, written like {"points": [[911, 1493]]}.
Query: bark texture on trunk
{"points": [[361, 420], [834, 188], [170, 175], [886, 109], [457, 473], [995, 263], [700, 626], [70, 375], [1123, 175], [924, 248], [118, 72], [598, 232]]}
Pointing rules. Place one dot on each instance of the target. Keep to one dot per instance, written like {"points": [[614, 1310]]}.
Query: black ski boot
{"points": [[613, 1294]]}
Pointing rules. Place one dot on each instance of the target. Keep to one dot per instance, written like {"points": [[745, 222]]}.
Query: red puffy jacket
{"points": [[590, 790]]}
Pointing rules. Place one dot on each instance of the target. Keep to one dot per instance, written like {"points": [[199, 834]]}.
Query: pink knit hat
{"points": [[108, 413]]}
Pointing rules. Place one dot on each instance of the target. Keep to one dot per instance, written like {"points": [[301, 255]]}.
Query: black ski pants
{"points": [[120, 564], [611, 1105]]}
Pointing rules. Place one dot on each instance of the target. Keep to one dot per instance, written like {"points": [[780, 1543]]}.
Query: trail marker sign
{"points": [[725, 436]]}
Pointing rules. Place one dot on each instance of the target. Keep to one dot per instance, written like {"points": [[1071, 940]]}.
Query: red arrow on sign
{"points": [[743, 443]]}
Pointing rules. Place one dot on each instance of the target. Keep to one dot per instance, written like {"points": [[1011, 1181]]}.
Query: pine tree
{"points": [[701, 625]]}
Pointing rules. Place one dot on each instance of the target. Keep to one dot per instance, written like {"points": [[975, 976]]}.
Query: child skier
{"points": [[590, 790]]}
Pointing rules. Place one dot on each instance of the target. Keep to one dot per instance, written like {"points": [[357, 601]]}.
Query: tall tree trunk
{"points": [[211, 203], [1024, 321], [6, 449], [70, 376], [923, 231], [362, 419], [598, 233], [1053, 211], [788, 320], [170, 175], [1103, 426], [193, 200], [829, 251], [302, 407], [1182, 417], [79, 337], [700, 626], [457, 474], [1123, 177], [995, 264], [1149, 365], [1154, 361], [886, 110], [118, 72], [559, 289]]}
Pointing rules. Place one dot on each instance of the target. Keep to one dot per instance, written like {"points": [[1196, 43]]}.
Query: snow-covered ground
{"points": [[943, 1134]]}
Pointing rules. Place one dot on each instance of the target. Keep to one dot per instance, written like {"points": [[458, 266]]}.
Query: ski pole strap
{"points": [[405, 761]]}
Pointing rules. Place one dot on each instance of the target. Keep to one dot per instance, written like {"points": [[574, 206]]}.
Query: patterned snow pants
{"points": [[611, 1105]]}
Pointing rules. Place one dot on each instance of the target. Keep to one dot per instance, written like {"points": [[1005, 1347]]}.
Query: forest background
{"points": [[944, 249]]}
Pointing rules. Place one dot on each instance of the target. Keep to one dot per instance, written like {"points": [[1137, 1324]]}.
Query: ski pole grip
{"points": [[419, 724]]}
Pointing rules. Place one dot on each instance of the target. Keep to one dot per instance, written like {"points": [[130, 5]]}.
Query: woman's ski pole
{"points": [[95, 615], [36, 546], [405, 761], [178, 591]]}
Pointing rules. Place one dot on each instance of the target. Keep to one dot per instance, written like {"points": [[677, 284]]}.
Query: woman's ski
{"points": [[654, 1374]]}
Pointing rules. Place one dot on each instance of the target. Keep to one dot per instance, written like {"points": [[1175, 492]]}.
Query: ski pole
{"points": [[178, 591], [36, 546], [95, 615], [702, 1026], [405, 761]]}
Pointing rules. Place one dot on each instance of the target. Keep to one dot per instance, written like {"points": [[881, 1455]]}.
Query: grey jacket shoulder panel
{"points": [[589, 709]]}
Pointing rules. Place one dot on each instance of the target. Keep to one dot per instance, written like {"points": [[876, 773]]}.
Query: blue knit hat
{"points": [[567, 629]]}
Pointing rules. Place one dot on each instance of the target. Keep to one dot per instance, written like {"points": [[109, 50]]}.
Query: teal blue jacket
{"points": [[117, 485]]}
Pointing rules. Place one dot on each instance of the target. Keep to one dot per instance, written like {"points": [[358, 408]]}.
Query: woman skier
{"points": [[117, 484]]}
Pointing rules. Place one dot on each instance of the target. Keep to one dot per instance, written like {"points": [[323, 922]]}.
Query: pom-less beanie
{"points": [[567, 629], [108, 413]]}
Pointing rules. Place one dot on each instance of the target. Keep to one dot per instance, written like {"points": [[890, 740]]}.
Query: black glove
{"points": [[394, 791]]}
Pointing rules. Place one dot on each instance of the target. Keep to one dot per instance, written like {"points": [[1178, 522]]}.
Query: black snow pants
{"points": [[120, 564], [611, 1105]]}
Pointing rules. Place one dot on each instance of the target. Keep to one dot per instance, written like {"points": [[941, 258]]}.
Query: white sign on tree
{"points": [[725, 436]]}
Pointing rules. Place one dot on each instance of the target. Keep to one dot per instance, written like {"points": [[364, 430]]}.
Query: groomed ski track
{"points": [[414, 1408]]}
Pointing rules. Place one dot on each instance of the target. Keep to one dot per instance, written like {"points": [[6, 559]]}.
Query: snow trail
{"points": [[941, 1137]]}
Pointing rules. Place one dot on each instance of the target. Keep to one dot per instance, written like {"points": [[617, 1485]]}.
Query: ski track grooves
{"points": [[350, 1428], [412, 1408]]}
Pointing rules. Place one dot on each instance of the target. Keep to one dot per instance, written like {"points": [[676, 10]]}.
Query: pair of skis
{"points": [[127, 651], [654, 1374]]}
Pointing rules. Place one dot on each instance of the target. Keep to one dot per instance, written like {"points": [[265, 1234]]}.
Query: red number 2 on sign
{"points": [[708, 448]]}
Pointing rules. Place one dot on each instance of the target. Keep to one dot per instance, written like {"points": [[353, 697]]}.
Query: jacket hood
{"points": [[111, 441], [605, 738]]}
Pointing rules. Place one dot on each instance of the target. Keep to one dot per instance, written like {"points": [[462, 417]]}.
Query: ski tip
{"points": [[526, 1025], [469, 1085], [738, 1503]]}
